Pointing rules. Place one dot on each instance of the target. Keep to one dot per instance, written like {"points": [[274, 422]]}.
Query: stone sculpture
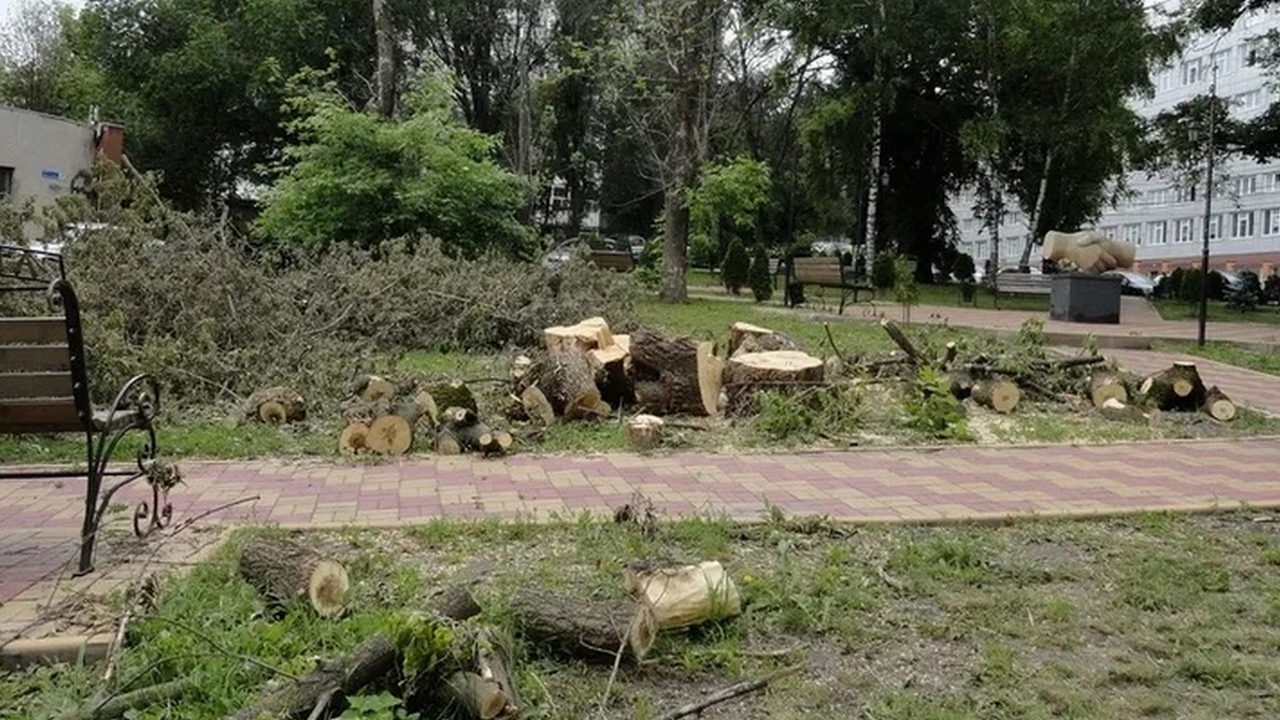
{"points": [[1088, 251]]}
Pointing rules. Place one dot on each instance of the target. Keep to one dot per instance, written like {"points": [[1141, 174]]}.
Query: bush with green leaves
{"points": [[726, 203], [760, 281], [883, 271], [355, 179], [806, 415], [932, 409], [736, 269]]}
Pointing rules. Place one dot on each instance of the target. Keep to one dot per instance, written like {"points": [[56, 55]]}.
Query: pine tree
{"points": [[736, 267], [758, 277]]}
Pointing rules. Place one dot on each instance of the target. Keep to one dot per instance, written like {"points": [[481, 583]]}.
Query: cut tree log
{"points": [[276, 406], [644, 432], [372, 388], [961, 384], [1106, 385], [537, 406], [589, 630], [428, 410], [118, 706], [685, 596], [447, 443], [354, 439], [284, 572], [584, 336], [998, 394], [747, 374], [762, 339], [477, 696], [1116, 409], [689, 373], [901, 340], [1177, 388], [483, 687], [611, 374], [455, 394], [569, 383], [1218, 405], [390, 435]]}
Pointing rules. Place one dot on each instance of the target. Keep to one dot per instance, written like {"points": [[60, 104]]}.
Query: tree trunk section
{"points": [[961, 384], [285, 572], [569, 383], [689, 373], [998, 394], [1218, 405], [447, 443], [644, 432], [1178, 388], [589, 630], [610, 365], [746, 375], [354, 439], [390, 435], [745, 338], [537, 406], [1105, 385], [686, 596], [371, 388], [587, 335], [276, 406], [371, 661], [384, 32]]}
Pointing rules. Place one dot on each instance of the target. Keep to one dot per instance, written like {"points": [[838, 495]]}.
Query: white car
{"points": [[1132, 283]]}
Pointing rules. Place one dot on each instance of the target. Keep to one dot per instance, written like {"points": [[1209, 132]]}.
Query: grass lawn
{"points": [[1218, 312], [704, 283], [1267, 361], [1149, 616]]}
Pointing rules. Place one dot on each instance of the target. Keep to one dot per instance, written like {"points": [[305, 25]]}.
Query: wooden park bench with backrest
{"points": [[1014, 283], [826, 272], [44, 389]]}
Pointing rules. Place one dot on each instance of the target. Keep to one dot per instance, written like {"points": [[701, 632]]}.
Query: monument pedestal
{"points": [[1085, 298]]}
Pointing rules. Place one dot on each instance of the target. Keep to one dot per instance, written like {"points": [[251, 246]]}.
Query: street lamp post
{"points": [[1208, 194]]}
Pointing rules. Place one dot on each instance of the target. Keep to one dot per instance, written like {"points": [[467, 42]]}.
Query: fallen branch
{"points": [[119, 705], [731, 692], [901, 340], [826, 327]]}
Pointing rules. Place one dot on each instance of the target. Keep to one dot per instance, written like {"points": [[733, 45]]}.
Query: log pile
{"points": [[1180, 387], [276, 406], [386, 418]]}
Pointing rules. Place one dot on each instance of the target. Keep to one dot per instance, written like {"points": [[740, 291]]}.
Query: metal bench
{"points": [[826, 272], [44, 389], [617, 260], [1023, 284]]}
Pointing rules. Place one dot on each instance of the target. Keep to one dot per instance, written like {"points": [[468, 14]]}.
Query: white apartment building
{"points": [[1165, 222]]}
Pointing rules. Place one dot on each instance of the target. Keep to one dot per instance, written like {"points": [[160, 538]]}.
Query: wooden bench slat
{"points": [[35, 385], [33, 331], [34, 357], [51, 415]]}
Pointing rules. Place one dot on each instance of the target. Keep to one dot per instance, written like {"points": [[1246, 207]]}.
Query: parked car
{"points": [[1132, 283], [1230, 280], [598, 246]]}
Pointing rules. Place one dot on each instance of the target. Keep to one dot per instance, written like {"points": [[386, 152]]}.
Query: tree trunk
{"points": [[1178, 388], [644, 432], [283, 572], [1218, 405], [689, 373], [276, 406], [372, 389], [1105, 385], [589, 630], [537, 406], [384, 32], [587, 335], [685, 596], [391, 434], [745, 337], [610, 365], [998, 394], [675, 238], [354, 439], [748, 374], [961, 384], [1024, 262], [875, 168], [371, 661], [569, 384]]}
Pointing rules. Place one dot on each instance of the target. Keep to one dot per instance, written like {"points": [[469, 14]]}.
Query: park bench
{"points": [[617, 260], [826, 272], [44, 389], [1013, 283]]}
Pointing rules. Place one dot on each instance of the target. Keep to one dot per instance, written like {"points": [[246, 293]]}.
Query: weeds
{"points": [[931, 408]]}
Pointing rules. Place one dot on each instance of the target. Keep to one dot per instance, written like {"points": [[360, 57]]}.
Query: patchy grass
{"points": [[1267, 361], [1218, 312], [707, 319], [1152, 616]]}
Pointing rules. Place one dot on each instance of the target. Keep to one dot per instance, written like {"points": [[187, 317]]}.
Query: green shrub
{"points": [[931, 408], [1248, 295], [1189, 286], [883, 271], [735, 270], [759, 279]]}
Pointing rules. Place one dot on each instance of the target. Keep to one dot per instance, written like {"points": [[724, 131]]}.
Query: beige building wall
{"points": [[40, 155]]}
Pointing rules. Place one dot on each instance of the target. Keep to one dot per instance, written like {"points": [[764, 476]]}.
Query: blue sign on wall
{"points": [[51, 175]]}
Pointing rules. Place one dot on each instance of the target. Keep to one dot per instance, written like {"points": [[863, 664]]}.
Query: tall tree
{"points": [[36, 58]]}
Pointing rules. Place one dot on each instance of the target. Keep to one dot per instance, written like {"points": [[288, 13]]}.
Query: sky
{"points": [[7, 7]]}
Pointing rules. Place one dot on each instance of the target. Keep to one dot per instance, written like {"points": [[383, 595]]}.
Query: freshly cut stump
{"points": [[1178, 388], [586, 335], [284, 572], [354, 439], [689, 373], [372, 388], [1218, 405], [685, 596], [749, 373], [276, 405], [1105, 385], [998, 394], [745, 337], [589, 630], [644, 432], [390, 435], [569, 383]]}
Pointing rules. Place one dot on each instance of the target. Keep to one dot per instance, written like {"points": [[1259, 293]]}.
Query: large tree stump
{"points": [[748, 374], [745, 337], [612, 374], [285, 572], [589, 630], [276, 406], [586, 335], [1218, 405], [644, 432], [998, 394], [568, 381], [354, 439], [1178, 388], [685, 596], [1105, 385], [689, 373]]}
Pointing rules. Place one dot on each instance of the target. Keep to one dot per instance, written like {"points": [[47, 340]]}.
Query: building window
{"points": [[1110, 231], [1133, 234], [1156, 232], [1191, 72], [1247, 185], [6, 181], [1215, 227], [1184, 231], [1242, 225], [1186, 194], [1271, 222]]}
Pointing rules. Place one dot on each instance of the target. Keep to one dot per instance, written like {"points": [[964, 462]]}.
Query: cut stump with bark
{"points": [[372, 388], [586, 335], [354, 439], [1105, 385], [390, 435], [569, 383], [748, 374], [686, 596], [1218, 405], [745, 337], [998, 394], [285, 572], [589, 630], [276, 406], [644, 432], [537, 406], [688, 374]]}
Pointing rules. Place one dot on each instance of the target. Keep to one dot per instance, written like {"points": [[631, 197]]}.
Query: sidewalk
{"points": [[913, 485]]}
